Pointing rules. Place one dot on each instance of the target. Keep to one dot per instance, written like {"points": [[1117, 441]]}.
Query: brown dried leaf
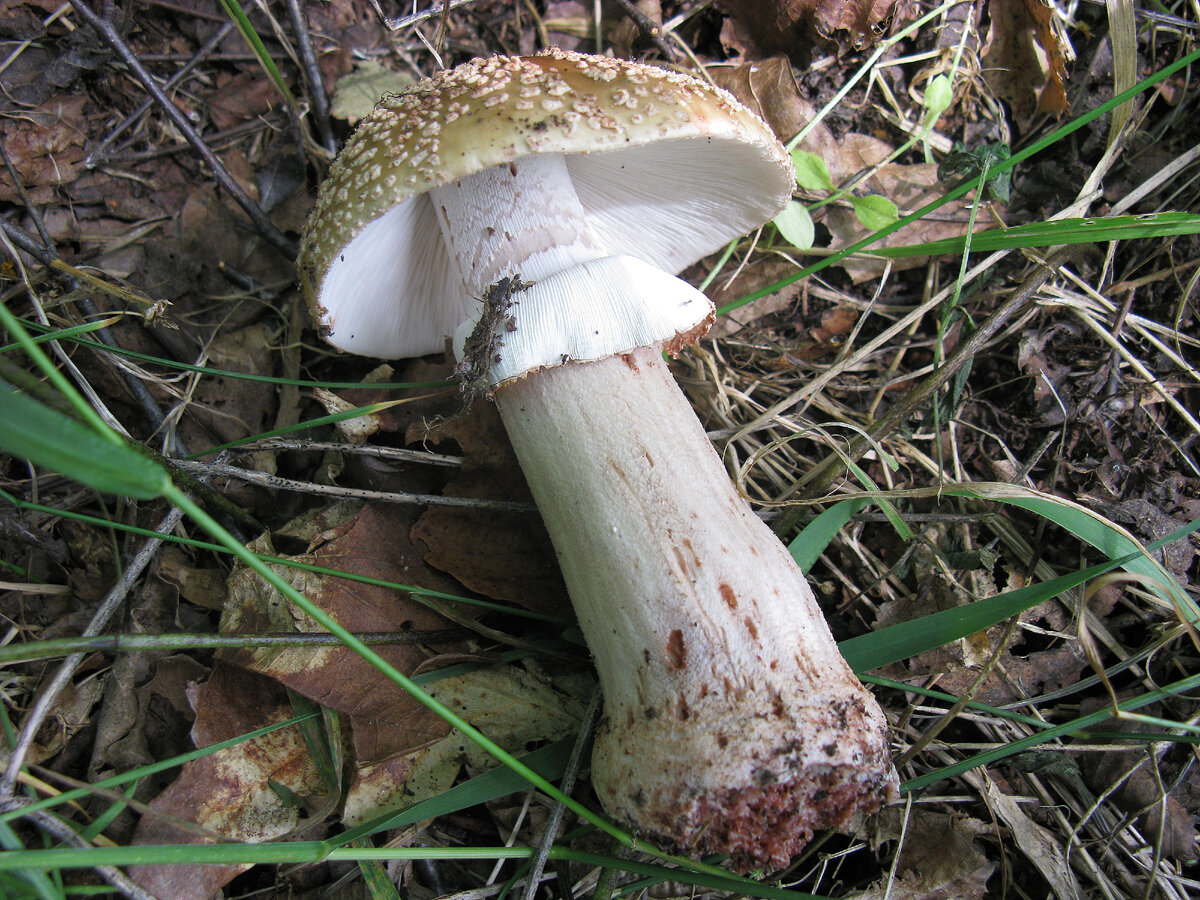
{"points": [[1018, 672], [71, 712], [363, 540], [1025, 58], [203, 587], [1141, 793], [220, 414], [908, 186], [46, 146], [1040, 846], [172, 677], [760, 271], [228, 792], [506, 556], [240, 98], [514, 706], [1046, 377], [939, 859], [790, 26], [769, 89]]}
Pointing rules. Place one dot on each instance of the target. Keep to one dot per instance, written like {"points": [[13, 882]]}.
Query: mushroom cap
{"points": [[667, 169]]}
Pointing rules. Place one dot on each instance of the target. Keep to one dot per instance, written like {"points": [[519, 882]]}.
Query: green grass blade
{"points": [[234, 10], [142, 772], [73, 335], [1028, 743], [1054, 234], [897, 642], [47, 438], [36, 881], [810, 543], [62, 334], [1092, 528], [966, 187]]}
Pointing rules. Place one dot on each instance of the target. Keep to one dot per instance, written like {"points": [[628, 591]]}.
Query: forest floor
{"points": [[1031, 412]]}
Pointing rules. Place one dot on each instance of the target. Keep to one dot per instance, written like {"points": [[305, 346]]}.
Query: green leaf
{"points": [[961, 164], [50, 439], [811, 172], [874, 212], [796, 225], [810, 543]]}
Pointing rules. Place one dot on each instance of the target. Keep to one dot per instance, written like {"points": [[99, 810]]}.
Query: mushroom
{"points": [[580, 184]]}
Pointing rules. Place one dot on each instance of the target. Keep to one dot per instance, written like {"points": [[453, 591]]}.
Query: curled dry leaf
{"points": [[228, 792], [362, 540], [939, 856], [502, 555], [1025, 58], [763, 27]]}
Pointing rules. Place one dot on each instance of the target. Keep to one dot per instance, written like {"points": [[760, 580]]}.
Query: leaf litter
{"points": [[1047, 403]]}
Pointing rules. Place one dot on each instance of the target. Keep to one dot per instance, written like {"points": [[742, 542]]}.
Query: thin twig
{"points": [[274, 482], [398, 454], [108, 607], [418, 17], [554, 823], [100, 154], [133, 643], [106, 30], [651, 29], [48, 257], [316, 85]]}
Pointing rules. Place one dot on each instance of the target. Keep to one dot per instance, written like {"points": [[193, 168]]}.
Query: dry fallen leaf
{"points": [[364, 540], [45, 146], [1019, 671], [228, 792], [1039, 845], [770, 90], [357, 93], [762, 27], [1025, 58], [240, 792], [1141, 792], [516, 707], [241, 97], [939, 858], [505, 556], [910, 187]]}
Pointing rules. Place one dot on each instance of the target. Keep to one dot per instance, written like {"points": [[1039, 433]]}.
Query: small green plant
{"points": [[795, 223]]}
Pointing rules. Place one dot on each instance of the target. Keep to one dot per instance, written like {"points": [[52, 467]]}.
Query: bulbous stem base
{"points": [[731, 722]]}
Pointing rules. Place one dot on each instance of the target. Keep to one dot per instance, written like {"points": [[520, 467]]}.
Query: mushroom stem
{"points": [[731, 724]]}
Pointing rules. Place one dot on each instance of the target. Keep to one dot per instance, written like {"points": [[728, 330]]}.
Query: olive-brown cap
{"points": [[666, 167]]}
